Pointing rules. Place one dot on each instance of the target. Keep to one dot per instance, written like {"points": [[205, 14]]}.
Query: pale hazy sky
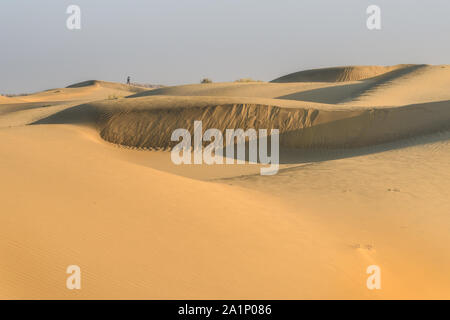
{"points": [[182, 41]]}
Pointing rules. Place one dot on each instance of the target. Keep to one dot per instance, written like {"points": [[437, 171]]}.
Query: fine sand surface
{"points": [[364, 180]]}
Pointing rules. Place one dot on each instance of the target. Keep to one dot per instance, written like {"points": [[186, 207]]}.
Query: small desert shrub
{"points": [[113, 97], [206, 80]]}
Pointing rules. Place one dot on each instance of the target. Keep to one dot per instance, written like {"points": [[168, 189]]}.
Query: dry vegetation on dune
{"points": [[308, 232]]}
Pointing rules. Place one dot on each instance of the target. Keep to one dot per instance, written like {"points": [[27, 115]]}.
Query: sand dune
{"points": [[88, 90], [351, 91], [30, 108], [109, 85], [419, 85], [148, 122], [402, 85], [363, 180], [339, 74], [8, 100], [233, 89], [140, 233], [390, 206]]}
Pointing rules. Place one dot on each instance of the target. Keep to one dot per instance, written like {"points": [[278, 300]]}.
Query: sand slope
{"points": [[5, 99], [16, 111], [363, 180], [140, 233], [420, 85], [148, 122]]}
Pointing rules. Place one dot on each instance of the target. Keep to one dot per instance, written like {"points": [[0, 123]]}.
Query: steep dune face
{"points": [[149, 122], [338, 74], [390, 206]]}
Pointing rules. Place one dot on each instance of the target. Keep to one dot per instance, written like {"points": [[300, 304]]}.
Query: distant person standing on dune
{"points": [[128, 80]]}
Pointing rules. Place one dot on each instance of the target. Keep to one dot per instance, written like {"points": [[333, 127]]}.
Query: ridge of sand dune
{"points": [[9, 100], [422, 84], [148, 122], [15, 111], [341, 93], [402, 85], [308, 232], [407, 85], [83, 91], [338, 74], [140, 233], [391, 203], [234, 89]]}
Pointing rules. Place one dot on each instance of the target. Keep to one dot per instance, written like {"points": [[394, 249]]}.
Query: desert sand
{"points": [[364, 180]]}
